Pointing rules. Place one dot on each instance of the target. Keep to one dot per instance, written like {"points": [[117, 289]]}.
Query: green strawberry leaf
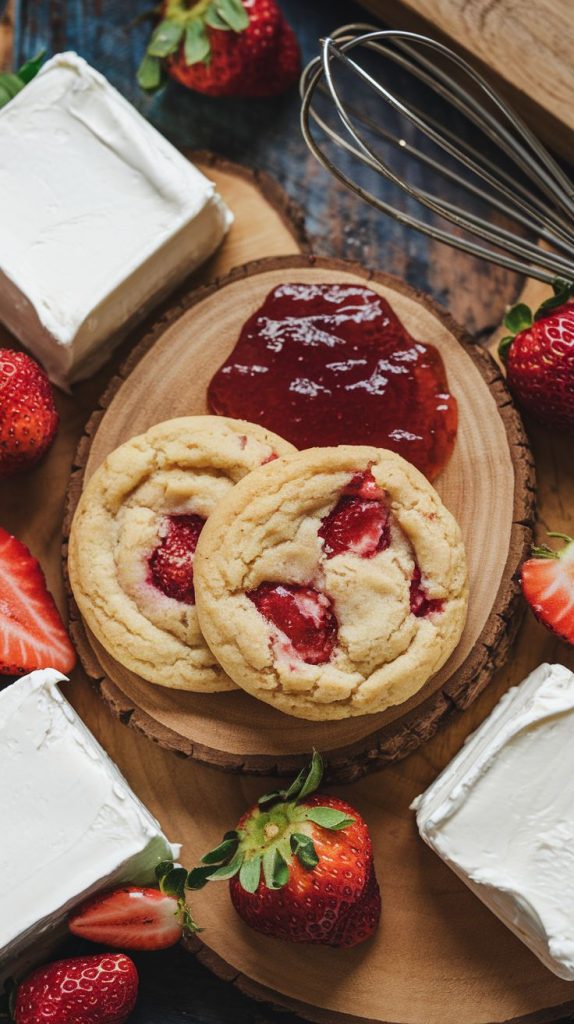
{"points": [[198, 877], [227, 870], [504, 347], [306, 782], [563, 292], [328, 817], [250, 874], [12, 83], [304, 849], [10, 86], [518, 318], [224, 851], [196, 47], [214, 19], [233, 13], [163, 869], [165, 39], [313, 777], [188, 924], [275, 869], [150, 73], [174, 882], [31, 67]]}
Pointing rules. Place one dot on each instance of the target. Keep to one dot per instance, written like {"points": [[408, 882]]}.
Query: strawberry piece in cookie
{"points": [[171, 563], [303, 615], [422, 605], [359, 522]]}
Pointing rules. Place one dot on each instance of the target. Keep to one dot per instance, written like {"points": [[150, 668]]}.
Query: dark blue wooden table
{"points": [[175, 989]]}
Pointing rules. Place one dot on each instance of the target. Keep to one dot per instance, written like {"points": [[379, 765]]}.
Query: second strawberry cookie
{"points": [[133, 540], [332, 582]]}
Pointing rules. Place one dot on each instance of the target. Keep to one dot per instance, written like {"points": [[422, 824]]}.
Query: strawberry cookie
{"points": [[133, 540], [332, 582]]}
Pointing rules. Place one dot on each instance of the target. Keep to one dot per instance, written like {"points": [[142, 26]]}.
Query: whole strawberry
{"points": [[300, 867], [223, 48], [539, 357], [28, 417], [548, 586], [98, 989]]}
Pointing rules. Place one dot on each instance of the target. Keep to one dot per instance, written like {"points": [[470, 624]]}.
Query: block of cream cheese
{"points": [[502, 814], [70, 823], [100, 217]]}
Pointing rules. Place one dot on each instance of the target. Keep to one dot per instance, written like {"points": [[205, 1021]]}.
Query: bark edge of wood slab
{"points": [[350, 750]]}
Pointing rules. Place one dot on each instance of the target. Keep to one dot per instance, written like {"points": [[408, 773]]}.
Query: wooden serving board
{"points": [[488, 485], [524, 49]]}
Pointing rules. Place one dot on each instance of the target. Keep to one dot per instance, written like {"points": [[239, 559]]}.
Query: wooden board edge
{"points": [[403, 736], [318, 1015]]}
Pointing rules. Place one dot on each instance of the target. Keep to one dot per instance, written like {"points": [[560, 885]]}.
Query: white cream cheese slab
{"points": [[100, 217], [501, 815], [70, 823]]}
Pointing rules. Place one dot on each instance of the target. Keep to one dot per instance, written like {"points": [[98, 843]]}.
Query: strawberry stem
{"points": [[544, 551]]}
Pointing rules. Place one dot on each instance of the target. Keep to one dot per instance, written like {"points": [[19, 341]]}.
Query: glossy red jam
{"points": [[332, 364], [359, 522], [303, 615], [171, 563], [421, 605]]}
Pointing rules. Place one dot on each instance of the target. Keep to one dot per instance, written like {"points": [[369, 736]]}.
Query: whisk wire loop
{"points": [[546, 212]]}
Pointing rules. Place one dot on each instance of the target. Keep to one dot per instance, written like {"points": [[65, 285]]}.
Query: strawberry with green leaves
{"points": [[299, 866], [539, 358], [548, 586], [223, 48]]}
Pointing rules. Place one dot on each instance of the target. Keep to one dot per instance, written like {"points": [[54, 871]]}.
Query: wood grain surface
{"points": [[175, 989], [488, 485], [524, 47]]}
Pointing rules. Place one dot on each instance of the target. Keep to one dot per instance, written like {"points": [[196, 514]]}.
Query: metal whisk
{"points": [[526, 187]]}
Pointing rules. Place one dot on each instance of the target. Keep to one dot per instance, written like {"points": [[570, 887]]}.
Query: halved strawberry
{"points": [[548, 586], [129, 918], [32, 634]]}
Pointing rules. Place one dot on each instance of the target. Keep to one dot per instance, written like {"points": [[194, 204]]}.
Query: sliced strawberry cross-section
{"points": [[171, 562], [303, 614], [32, 634], [360, 521], [422, 605]]}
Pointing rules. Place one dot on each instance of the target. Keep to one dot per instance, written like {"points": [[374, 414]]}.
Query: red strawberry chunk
{"points": [[131, 917], [171, 563], [99, 989], [421, 605], [360, 521], [32, 634], [303, 614]]}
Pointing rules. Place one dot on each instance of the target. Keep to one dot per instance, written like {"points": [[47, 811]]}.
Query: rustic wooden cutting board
{"points": [[523, 46], [487, 485]]}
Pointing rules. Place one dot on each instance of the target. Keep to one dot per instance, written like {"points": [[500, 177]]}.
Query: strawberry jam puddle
{"points": [[332, 364], [171, 562], [421, 605], [303, 614]]}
